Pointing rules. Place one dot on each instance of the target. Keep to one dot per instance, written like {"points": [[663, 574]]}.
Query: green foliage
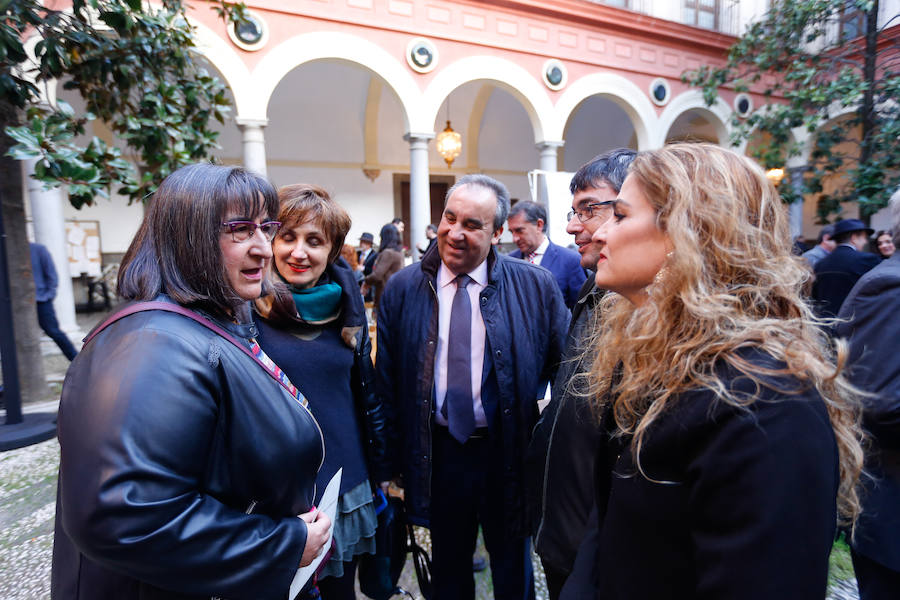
{"points": [[842, 91], [136, 69]]}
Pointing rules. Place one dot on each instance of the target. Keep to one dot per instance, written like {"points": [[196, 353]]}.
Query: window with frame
{"points": [[702, 13], [853, 21]]}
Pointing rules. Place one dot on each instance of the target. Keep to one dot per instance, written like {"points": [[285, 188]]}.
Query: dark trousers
{"points": [[467, 491], [343, 587], [875, 581], [555, 580], [47, 321]]}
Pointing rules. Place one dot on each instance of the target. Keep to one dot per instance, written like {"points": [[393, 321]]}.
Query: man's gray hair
{"points": [[894, 205], [488, 183]]}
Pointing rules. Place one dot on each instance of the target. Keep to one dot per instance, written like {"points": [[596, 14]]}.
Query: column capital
{"points": [[413, 137], [549, 145], [243, 122]]}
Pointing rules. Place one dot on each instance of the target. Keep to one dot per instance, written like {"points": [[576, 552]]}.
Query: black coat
{"points": [[732, 503], [525, 321], [560, 460], [167, 433], [836, 274], [873, 311]]}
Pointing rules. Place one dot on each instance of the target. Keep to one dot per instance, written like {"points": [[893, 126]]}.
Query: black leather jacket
{"points": [[168, 433]]}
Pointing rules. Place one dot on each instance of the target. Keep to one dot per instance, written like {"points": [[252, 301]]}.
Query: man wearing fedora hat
{"points": [[365, 256], [837, 273]]}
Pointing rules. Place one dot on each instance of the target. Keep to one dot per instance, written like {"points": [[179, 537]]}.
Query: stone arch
{"points": [[223, 57], [624, 93], [308, 47], [719, 113], [503, 73]]}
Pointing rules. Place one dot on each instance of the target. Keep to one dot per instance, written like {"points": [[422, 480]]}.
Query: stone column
{"points": [[796, 208], [254, 144], [548, 152], [50, 231], [419, 188]]}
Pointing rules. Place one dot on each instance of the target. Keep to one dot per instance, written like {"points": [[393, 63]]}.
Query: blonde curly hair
{"points": [[731, 282]]}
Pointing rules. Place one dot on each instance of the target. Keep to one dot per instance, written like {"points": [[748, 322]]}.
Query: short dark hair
{"points": [[176, 249], [396, 220], [431, 227], [389, 238], [489, 183], [610, 168], [827, 230], [532, 211], [301, 202]]}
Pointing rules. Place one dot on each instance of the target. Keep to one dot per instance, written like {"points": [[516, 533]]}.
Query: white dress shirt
{"points": [[446, 289], [538, 254]]}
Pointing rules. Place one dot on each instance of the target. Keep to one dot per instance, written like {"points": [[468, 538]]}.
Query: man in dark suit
{"points": [[464, 337], [366, 256], [527, 221], [873, 328], [837, 273]]}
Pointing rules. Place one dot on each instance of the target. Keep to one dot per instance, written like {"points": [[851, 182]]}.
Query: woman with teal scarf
{"points": [[314, 327]]}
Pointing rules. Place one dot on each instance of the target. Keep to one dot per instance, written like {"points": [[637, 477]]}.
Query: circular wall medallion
{"points": [[743, 105], [660, 91], [251, 34], [421, 55], [555, 75]]}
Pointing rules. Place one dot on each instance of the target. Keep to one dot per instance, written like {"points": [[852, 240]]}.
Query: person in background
{"points": [[431, 234], [314, 327], [884, 243], [527, 222], [401, 227], [824, 246], [348, 253], [560, 459], [388, 262], [732, 443], [464, 338], [365, 255], [837, 273], [870, 325], [187, 470], [45, 283]]}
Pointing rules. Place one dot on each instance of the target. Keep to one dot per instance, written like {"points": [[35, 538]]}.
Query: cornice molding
{"points": [[619, 21]]}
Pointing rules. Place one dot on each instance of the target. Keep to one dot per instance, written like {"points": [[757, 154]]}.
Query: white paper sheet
{"points": [[328, 505]]}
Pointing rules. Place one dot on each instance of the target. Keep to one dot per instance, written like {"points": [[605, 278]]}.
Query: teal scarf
{"points": [[318, 304]]}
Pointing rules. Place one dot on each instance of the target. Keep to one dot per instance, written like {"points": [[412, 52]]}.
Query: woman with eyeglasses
{"points": [[314, 326], [187, 466], [731, 439]]}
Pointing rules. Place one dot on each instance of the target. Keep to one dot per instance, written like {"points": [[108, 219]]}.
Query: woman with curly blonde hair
{"points": [[734, 442]]}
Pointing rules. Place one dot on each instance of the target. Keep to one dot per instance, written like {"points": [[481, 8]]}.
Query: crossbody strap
{"points": [[177, 308]]}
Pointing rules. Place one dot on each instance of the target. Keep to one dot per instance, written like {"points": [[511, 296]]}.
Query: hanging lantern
{"points": [[449, 144], [775, 175]]}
